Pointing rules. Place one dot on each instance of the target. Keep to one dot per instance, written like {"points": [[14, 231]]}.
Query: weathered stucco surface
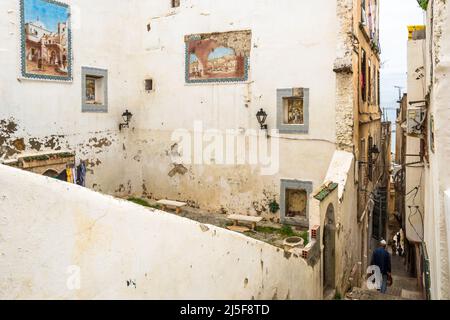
{"points": [[38, 116], [280, 57], [220, 187], [139, 161], [436, 180], [50, 228], [348, 229], [344, 66], [47, 116]]}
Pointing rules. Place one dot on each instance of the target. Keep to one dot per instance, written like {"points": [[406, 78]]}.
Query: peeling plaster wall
{"points": [[348, 230], [47, 116], [281, 57], [38, 116], [355, 120], [345, 67], [348, 236], [225, 188], [352, 113], [318, 217], [135, 162], [125, 251], [345, 112]]}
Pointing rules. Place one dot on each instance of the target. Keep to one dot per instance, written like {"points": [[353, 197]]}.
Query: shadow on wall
{"points": [[124, 251]]}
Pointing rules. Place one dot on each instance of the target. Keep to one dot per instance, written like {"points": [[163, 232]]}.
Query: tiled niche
{"points": [[294, 198], [293, 110], [94, 85]]}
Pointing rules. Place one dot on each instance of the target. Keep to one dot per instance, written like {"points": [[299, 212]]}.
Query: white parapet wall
{"points": [[61, 241]]}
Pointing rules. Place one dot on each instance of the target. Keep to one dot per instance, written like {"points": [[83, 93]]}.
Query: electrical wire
{"points": [[413, 196], [410, 216]]}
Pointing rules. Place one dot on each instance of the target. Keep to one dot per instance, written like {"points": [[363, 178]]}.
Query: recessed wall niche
{"points": [[94, 89], [148, 83], [293, 110], [295, 202]]}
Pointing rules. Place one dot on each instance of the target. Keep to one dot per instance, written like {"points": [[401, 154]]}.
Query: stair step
{"points": [[364, 294], [395, 291]]}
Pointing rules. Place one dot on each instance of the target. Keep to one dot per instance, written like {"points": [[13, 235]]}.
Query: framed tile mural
{"points": [[218, 57], [46, 49]]}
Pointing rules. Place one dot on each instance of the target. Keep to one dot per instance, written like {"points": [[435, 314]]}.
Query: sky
{"points": [[395, 16], [217, 53], [48, 14]]}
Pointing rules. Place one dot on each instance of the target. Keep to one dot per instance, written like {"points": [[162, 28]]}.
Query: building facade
{"points": [[194, 135], [426, 176], [435, 149]]}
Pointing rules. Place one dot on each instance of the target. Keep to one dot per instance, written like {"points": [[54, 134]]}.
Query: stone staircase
{"points": [[404, 287], [366, 294]]}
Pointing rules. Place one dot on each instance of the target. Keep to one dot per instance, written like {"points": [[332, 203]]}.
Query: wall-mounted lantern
{"points": [[262, 117], [374, 150], [127, 115]]}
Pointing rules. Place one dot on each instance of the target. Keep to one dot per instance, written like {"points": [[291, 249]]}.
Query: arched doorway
{"points": [[329, 260], [50, 173]]}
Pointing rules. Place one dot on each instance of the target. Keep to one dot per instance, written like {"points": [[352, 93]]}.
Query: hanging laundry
{"points": [[81, 174], [69, 175], [74, 175]]}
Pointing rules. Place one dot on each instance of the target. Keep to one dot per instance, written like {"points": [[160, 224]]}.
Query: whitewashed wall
{"points": [[289, 49], [414, 172], [125, 251], [437, 174], [349, 229], [48, 115]]}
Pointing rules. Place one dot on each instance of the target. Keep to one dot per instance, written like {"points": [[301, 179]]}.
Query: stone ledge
{"points": [[325, 190], [343, 65]]}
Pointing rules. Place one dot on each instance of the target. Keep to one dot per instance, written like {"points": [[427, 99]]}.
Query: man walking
{"points": [[382, 259]]}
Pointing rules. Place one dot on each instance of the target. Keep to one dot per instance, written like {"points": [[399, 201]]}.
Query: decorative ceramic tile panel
{"points": [[218, 57], [46, 48]]}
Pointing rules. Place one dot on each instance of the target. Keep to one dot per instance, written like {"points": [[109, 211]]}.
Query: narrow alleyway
{"points": [[405, 287]]}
